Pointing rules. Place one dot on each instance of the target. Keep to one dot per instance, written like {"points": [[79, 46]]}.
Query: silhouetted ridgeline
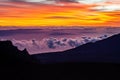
{"points": [[10, 55], [107, 50], [81, 63]]}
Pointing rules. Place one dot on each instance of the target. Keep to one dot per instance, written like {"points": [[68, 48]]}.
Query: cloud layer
{"points": [[52, 40], [53, 44]]}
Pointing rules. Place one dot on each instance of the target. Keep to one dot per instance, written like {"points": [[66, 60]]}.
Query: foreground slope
{"points": [[107, 50], [10, 55], [19, 65]]}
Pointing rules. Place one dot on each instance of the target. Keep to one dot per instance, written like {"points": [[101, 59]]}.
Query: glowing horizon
{"points": [[59, 14]]}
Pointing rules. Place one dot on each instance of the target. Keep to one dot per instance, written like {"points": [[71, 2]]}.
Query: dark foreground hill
{"points": [[9, 54], [107, 50], [19, 65]]}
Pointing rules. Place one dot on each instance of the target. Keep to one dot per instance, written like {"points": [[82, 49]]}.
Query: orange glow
{"points": [[25, 14]]}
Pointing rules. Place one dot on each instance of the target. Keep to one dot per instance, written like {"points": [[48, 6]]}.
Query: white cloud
{"points": [[90, 1], [35, 0], [107, 8], [41, 1]]}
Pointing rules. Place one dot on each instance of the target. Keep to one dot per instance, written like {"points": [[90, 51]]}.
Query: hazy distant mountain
{"points": [[107, 50]]}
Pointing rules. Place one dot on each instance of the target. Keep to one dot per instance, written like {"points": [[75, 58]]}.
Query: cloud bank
{"points": [[53, 44]]}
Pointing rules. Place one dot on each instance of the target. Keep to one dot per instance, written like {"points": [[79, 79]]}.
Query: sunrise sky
{"points": [[25, 13]]}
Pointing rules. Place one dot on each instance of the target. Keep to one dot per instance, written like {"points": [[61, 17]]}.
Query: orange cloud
{"points": [[62, 14]]}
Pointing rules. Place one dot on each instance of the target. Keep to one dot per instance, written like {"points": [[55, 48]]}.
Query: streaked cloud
{"points": [[60, 17], [90, 1], [107, 8], [59, 12]]}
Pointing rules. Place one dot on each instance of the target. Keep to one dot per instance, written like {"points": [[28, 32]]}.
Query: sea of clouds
{"points": [[53, 44], [53, 40]]}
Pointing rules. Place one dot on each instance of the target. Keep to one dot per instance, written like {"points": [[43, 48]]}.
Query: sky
{"points": [[57, 13]]}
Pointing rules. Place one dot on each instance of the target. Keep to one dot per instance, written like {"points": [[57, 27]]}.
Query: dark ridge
{"points": [[19, 65], [9, 54], [107, 50]]}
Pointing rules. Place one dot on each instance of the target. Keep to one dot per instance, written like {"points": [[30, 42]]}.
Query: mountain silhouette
{"points": [[9, 54], [107, 50], [86, 62]]}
